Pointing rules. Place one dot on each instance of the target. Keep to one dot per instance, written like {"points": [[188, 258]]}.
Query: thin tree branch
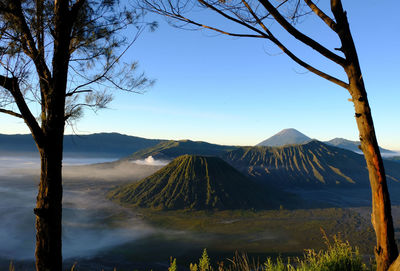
{"points": [[300, 36], [11, 84], [255, 16], [106, 70], [33, 53], [77, 91], [233, 19], [308, 66], [291, 55], [12, 113], [331, 23], [40, 28], [178, 16]]}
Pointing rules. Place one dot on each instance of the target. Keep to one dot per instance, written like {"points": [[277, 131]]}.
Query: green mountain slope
{"points": [[310, 164], [199, 183], [171, 149]]}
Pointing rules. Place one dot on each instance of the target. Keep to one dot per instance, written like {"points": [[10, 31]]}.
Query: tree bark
{"points": [[49, 201], [48, 209], [386, 250]]}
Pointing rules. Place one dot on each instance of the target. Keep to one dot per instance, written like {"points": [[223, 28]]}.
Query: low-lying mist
{"points": [[97, 233], [389, 154], [91, 223]]}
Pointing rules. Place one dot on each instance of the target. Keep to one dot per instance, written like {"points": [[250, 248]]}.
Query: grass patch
{"points": [[338, 256]]}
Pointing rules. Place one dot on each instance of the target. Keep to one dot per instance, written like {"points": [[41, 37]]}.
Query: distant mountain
{"points": [[169, 150], [194, 182], [109, 144], [292, 136], [310, 164], [349, 145], [285, 137], [17, 143]]}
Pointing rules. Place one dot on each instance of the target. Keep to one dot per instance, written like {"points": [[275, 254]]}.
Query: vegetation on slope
{"points": [[171, 149], [198, 183], [308, 164], [339, 256], [271, 232], [311, 164]]}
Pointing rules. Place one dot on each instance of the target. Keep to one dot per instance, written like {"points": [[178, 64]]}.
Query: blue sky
{"points": [[241, 91]]}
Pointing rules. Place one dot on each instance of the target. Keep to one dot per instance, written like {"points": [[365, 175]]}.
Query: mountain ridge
{"points": [[312, 164], [171, 149], [193, 182], [350, 145], [110, 144], [285, 137], [292, 136]]}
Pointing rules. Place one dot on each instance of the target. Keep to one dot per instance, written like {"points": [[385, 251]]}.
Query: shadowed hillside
{"points": [[314, 163], [199, 183], [106, 144]]}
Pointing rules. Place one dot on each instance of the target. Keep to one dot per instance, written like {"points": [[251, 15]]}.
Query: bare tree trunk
{"points": [[386, 249], [49, 201], [48, 207]]}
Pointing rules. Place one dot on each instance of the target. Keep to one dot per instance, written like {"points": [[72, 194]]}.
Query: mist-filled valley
{"points": [[88, 217], [101, 234], [97, 233]]}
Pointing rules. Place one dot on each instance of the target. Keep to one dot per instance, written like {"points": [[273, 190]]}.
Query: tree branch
{"points": [[255, 16], [11, 84], [40, 28], [75, 9], [187, 20], [300, 36], [176, 15], [12, 113], [308, 66], [233, 19], [76, 91], [291, 55], [107, 69], [331, 23], [33, 53]]}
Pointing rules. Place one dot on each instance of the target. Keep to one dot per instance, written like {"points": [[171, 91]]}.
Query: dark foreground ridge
{"points": [[194, 182]]}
